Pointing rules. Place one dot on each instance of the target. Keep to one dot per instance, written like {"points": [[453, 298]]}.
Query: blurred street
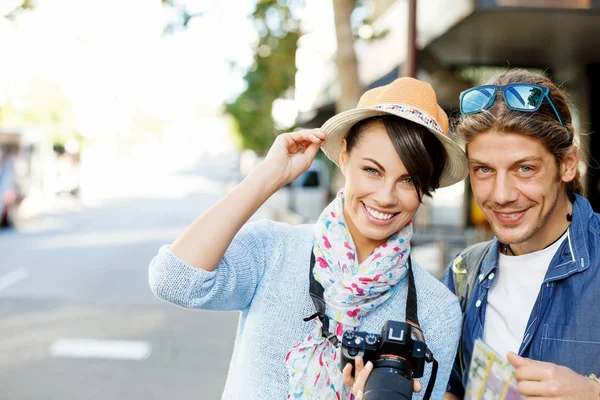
{"points": [[81, 273]]}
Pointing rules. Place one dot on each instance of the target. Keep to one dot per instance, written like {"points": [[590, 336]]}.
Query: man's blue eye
{"points": [[525, 168]]}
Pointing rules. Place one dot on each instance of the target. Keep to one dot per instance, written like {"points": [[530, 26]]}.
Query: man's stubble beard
{"points": [[536, 228]]}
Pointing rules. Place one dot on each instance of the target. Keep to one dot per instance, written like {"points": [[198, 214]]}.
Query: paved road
{"points": [[81, 273]]}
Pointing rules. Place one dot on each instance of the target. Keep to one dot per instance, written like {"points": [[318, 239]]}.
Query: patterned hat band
{"points": [[427, 120], [406, 98]]}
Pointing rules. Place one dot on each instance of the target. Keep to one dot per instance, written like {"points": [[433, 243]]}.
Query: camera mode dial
{"points": [[371, 339]]}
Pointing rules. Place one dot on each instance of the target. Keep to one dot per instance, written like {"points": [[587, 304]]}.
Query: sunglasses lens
{"points": [[524, 97], [477, 99]]}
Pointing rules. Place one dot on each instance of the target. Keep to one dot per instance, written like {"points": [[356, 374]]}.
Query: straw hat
{"points": [[406, 98]]}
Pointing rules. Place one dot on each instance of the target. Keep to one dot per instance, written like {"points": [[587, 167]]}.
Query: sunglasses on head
{"points": [[517, 96]]}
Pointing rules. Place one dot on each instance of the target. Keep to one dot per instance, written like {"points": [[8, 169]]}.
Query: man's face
{"points": [[517, 184]]}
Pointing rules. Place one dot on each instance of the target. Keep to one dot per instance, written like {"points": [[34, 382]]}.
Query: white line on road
{"points": [[104, 349], [13, 277]]}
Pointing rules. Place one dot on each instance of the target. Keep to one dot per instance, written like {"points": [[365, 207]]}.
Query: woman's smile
{"points": [[378, 217]]}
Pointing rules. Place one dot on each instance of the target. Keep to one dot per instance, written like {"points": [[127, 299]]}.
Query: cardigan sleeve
{"points": [[231, 286]]}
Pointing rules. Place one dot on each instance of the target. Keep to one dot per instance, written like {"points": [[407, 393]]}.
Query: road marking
{"points": [[105, 239], [13, 277], [104, 349]]}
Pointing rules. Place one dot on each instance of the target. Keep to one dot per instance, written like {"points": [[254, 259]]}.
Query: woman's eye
{"points": [[371, 171], [408, 181]]}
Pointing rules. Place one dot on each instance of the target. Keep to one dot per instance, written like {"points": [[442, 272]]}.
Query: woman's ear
{"points": [[569, 165], [343, 161]]}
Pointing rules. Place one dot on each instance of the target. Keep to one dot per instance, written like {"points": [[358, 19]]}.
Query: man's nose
{"points": [[504, 190]]}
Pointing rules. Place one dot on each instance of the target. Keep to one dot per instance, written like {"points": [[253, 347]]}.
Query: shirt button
{"points": [[478, 303], [481, 277], [491, 276]]}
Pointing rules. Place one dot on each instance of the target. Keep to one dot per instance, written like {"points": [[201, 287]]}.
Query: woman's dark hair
{"points": [[421, 152], [541, 125]]}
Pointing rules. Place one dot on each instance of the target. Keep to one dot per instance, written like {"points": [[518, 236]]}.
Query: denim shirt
{"points": [[564, 325]]}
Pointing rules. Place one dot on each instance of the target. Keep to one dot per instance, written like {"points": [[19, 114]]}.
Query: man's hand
{"points": [[450, 396], [542, 380]]}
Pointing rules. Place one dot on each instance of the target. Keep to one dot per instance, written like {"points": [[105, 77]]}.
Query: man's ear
{"points": [[569, 165], [343, 161]]}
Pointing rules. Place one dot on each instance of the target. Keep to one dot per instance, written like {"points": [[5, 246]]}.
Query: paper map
{"points": [[491, 377]]}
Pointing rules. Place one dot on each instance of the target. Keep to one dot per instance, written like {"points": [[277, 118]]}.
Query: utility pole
{"points": [[410, 64]]}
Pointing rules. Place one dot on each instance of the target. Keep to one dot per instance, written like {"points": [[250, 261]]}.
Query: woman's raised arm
{"points": [[205, 241]]}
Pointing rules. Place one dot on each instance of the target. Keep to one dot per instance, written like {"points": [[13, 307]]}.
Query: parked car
{"points": [[310, 193], [305, 197], [10, 194]]}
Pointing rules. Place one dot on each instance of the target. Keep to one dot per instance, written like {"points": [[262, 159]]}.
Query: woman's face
{"points": [[380, 198]]}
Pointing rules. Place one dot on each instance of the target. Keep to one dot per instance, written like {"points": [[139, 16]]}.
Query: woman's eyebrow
{"points": [[375, 162]]}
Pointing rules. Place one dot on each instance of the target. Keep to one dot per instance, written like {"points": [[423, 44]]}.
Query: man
{"points": [[535, 295]]}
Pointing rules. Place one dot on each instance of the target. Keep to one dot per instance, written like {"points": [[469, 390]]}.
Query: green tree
{"points": [[273, 73], [271, 76], [25, 5]]}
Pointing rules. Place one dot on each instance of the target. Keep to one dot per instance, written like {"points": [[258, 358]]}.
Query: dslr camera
{"points": [[398, 355]]}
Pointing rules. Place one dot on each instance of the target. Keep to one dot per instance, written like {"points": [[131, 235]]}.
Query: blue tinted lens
{"points": [[477, 99], [524, 97]]}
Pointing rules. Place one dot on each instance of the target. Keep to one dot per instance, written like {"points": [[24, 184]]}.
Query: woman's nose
{"points": [[386, 195]]}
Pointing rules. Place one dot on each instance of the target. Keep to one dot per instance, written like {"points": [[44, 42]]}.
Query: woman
{"points": [[392, 150]]}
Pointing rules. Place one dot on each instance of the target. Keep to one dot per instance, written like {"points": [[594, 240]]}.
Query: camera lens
{"points": [[391, 379]]}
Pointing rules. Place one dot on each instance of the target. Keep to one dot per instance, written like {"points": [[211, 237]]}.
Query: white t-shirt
{"points": [[512, 296]]}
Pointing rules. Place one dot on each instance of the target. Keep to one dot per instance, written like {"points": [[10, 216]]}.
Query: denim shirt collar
{"points": [[490, 262], [573, 254]]}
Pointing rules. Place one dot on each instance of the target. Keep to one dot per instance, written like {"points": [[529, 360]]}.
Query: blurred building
{"points": [[462, 42]]}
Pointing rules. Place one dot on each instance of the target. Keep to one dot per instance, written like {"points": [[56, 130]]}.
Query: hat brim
{"points": [[337, 127]]}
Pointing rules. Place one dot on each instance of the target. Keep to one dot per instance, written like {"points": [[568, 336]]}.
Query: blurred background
{"points": [[122, 121]]}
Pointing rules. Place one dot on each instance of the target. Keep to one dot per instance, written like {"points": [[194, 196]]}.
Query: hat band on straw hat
{"points": [[427, 120]]}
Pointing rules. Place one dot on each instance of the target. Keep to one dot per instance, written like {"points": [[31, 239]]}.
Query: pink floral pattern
{"points": [[351, 291]]}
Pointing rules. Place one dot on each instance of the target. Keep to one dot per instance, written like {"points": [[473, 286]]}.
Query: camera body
{"points": [[395, 341], [398, 355]]}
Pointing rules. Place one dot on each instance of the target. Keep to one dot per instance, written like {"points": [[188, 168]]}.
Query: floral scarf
{"points": [[351, 291]]}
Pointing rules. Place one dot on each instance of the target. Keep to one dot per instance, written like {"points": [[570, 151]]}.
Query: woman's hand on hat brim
{"points": [[292, 153]]}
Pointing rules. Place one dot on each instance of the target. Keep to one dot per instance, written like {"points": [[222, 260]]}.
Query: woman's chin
{"points": [[376, 233]]}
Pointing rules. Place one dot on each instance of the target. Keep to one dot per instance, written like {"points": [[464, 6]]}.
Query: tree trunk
{"points": [[349, 83]]}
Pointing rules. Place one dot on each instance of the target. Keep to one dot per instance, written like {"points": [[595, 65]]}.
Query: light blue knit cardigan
{"points": [[264, 274]]}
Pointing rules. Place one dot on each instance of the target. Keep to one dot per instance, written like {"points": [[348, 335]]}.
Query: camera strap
{"points": [[316, 294]]}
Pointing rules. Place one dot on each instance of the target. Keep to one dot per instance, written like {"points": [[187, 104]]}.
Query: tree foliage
{"points": [[273, 73], [271, 76], [25, 5]]}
